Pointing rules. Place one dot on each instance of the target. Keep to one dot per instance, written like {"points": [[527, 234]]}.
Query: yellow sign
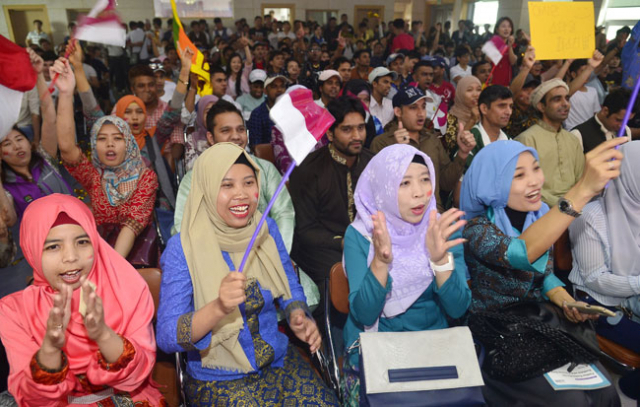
{"points": [[562, 30]]}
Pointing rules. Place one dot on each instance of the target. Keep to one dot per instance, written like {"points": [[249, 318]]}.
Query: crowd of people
{"points": [[442, 187]]}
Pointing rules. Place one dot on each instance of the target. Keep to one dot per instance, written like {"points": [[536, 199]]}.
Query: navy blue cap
{"points": [[439, 61], [407, 96]]}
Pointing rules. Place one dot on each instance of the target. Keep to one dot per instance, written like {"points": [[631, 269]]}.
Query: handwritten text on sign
{"points": [[562, 30]]}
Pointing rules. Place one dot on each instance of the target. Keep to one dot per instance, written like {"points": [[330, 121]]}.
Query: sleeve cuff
{"points": [[183, 334], [127, 356], [517, 257], [550, 282], [42, 375], [134, 225]]}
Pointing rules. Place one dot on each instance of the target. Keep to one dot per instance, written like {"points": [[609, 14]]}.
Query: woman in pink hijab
{"points": [[82, 333]]}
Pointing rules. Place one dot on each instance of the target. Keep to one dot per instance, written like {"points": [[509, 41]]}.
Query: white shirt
{"points": [[583, 106], [458, 71], [608, 134], [134, 36], [383, 112], [36, 37], [169, 89], [30, 105], [320, 103], [144, 51], [486, 140], [89, 71]]}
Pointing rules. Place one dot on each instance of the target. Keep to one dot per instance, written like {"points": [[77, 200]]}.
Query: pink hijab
{"points": [[460, 109], [128, 306]]}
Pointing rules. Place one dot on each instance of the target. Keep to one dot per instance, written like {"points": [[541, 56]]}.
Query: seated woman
{"points": [[122, 188], [133, 110], [606, 252], [197, 142], [509, 234], [82, 333], [396, 253], [29, 172], [226, 320], [464, 111]]}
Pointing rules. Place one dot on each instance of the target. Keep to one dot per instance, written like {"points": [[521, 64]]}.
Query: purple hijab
{"points": [[201, 122], [377, 190]]}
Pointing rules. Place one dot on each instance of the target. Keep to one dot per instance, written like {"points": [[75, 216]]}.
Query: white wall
{"points": [[143, 9]]}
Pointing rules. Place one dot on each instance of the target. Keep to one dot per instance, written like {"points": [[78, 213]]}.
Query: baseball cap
{"points": [[270, 80], [257, 75], [439, 61], [156, 65], [407, 96], [393, 57], [327, 74], [380, 72]]}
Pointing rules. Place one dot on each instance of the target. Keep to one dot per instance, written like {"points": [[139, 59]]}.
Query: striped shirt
{"points": [[592, 259]]}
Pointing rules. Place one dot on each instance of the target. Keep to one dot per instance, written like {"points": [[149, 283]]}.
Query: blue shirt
{"points": [[259, 125], [176, 309]]}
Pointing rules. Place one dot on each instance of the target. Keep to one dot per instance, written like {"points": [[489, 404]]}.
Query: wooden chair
{"points": [[628, 358], [336, 293], [164, 371], [562, 257], [265, 151]]}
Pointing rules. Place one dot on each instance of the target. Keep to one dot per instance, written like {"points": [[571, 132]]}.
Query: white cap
{"points": [[270, 80], [257, 75], [327, 74], [381, 71]]}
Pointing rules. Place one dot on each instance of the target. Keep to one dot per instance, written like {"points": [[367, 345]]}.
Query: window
{"points": [[321, 16], [485, 12], [280, 12]]}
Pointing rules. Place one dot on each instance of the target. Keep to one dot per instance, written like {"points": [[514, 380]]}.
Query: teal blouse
{"points": [[367, 297]]}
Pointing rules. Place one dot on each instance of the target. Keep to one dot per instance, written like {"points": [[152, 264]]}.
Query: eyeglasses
{"points": [[156, 66]]}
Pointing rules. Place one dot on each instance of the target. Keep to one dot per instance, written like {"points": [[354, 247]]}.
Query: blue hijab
{"points": [[487, 184]]}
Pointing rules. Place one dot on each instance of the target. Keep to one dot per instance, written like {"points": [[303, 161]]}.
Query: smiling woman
{"points": [[82, 333]]}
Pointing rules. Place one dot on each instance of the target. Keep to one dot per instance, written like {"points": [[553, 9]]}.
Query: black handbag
{"points": [[525, 340]]}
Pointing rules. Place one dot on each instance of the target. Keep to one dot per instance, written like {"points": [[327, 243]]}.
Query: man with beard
{"points": [[329, 83], [322, 190], [560, 152]]}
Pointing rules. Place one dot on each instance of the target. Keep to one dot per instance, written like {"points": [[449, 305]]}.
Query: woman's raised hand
{"points": [[66, 81], [440, 230], [54, 337], [381, 239], [232, 291]]}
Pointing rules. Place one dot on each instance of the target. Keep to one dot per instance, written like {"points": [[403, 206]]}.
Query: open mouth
{"points": [[71, 276], [533, 196], [418, 210], [21, 154], [239, 211], [111, 155]]}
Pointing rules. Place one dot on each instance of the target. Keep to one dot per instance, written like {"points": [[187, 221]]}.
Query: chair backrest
{"points": [[339, 288], [265, 151], [562, 257], [153, 277]]}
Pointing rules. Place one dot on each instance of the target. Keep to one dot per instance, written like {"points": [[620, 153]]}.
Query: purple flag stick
{"points": [[285, 177], [627, 114]]}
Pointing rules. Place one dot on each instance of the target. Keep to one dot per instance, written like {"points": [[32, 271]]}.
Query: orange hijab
{"points": [[122, 105], [128, 305]]}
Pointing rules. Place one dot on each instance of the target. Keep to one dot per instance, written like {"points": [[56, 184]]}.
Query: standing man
{"points": [[402, 40], [34, 37], [380, 106], [260, 124], [560, 152]]}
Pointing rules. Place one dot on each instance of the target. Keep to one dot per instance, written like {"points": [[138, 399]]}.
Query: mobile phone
{"points": [[591, 309]]}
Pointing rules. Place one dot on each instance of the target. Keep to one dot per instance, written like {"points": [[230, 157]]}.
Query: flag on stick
{"points": [[102, 25], [495, 48], [16, 77], [302, 123], [199, 65]]}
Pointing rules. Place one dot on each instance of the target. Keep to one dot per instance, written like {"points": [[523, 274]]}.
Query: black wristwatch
{"points": [[565, 206]]}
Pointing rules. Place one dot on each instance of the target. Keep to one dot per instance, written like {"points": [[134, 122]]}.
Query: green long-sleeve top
{"points": [[367, 297], [282, 211]]}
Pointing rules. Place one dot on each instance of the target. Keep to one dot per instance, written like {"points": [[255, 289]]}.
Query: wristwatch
{"points": [[448, 266], [565, 206]]}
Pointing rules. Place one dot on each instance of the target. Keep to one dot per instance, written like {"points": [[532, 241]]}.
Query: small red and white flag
{"points": [[102, 25], [495, 48], [301, 121], [16, 77]]}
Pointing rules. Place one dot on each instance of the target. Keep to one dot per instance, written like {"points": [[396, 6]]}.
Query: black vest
{"points": [[591, 133]]}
